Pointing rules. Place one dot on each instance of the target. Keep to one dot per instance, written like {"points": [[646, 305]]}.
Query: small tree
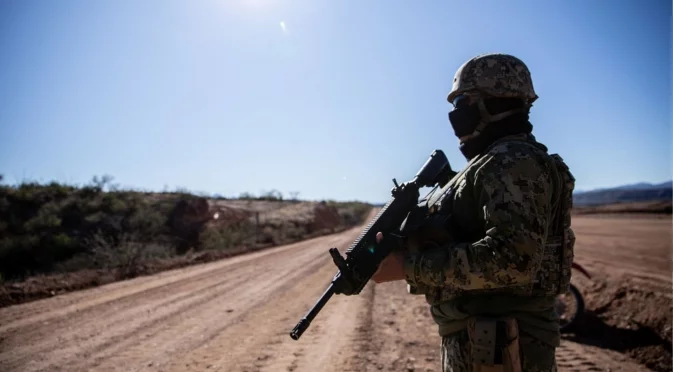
{"points": [[104, 180], [271, 195], [246, 196]]}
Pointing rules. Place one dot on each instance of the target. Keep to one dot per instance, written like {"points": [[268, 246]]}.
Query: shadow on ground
{"points": [[640, 342]]}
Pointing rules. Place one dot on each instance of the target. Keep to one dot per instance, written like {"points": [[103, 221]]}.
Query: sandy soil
{"points": [[629, 298], [236, 314]]}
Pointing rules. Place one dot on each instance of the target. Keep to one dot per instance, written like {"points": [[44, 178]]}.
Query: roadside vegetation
{"points": [[56, 238]]}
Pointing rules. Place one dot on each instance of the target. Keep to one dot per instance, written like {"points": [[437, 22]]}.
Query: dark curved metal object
{"points": [[581, 269]]}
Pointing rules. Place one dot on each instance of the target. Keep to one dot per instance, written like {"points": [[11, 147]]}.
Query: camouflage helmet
{"points": [[494, 75]]}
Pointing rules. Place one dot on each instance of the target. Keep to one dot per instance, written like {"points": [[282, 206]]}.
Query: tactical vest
{"points": [[553, 275]]}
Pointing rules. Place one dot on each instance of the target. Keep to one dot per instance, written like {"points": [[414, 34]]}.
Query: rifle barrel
{"points": [[306, 320]]}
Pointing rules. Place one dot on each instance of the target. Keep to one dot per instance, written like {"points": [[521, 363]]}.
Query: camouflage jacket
{"points": [[497, 213], [499, 216]]}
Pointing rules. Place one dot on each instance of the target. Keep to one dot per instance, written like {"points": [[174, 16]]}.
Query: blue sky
{"points": [[329, 98]]}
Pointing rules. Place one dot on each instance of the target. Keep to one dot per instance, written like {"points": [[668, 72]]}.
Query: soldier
{"points": [[495, 246]]}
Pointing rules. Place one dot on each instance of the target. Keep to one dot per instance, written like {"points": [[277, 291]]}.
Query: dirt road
{"points": [[236, 314], [629, 297]]}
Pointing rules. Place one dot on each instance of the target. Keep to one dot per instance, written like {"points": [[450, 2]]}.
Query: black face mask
{"points": [[464, 119]]}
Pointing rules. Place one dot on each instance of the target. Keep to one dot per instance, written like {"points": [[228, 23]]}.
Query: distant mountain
{"points": [[638, 192], [643, 186]]}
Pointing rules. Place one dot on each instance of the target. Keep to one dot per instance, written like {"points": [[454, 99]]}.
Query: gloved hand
{"points": [[391, 268]]}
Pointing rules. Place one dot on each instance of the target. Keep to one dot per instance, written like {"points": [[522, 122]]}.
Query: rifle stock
{"points": [[365, 255]]}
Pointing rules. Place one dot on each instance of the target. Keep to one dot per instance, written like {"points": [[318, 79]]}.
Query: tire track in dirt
{"points": [[269, 347], [126, 327], [404, 336], [110, 314], [102, 332], [574, 357], [236, 314], [122, 292], [334, 341], [178, 334]]}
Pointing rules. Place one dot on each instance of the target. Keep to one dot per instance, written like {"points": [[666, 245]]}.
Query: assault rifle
{"points": [[365, 255]]}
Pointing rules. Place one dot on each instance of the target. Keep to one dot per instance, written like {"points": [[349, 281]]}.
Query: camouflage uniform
{"points": [[508, 246], [455, 354]]}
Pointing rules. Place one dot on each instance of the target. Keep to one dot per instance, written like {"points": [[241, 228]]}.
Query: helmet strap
{"points": [[486, 118]]}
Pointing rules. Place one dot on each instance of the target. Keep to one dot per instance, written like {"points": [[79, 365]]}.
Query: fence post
{"points": [[256, 227]]}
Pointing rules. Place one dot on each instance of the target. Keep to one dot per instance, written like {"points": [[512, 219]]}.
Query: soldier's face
{"points": [[464, 117]]}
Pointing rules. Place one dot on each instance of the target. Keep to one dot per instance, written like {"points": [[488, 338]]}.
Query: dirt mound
{"points": [[628, 300], [630, 319]]}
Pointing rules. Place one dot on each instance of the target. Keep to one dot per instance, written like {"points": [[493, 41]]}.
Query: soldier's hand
{"points": [[391, 268]]}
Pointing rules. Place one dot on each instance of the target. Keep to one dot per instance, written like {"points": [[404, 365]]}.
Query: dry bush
{"points": [[125, 254], [221, 238]]}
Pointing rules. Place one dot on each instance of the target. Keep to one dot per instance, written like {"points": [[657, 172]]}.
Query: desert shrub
{"points": [[293, 230], [60, 228], [272, 195], [45, 225], [222, 238], [126, 254], [352, 213]]}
